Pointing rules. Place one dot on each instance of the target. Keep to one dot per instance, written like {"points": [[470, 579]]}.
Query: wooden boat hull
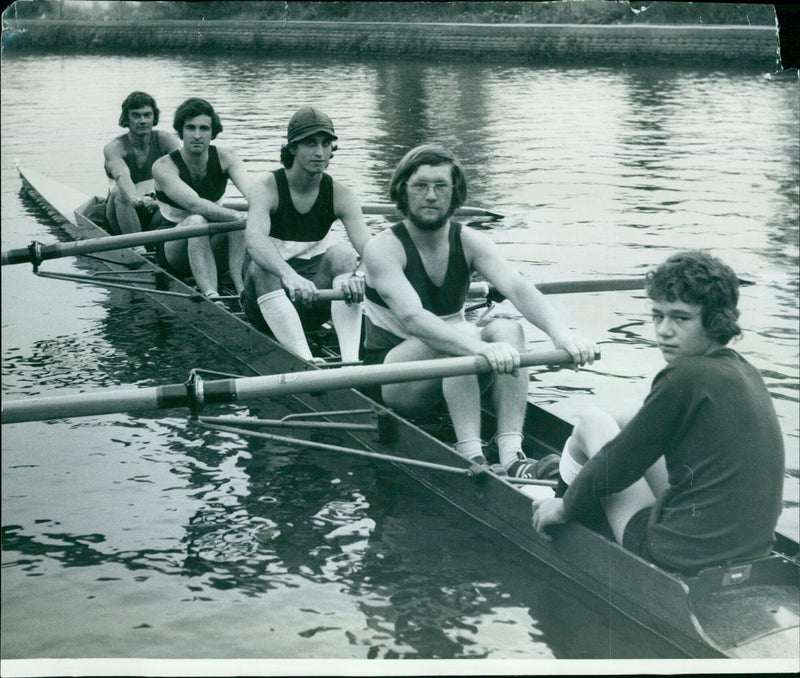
{"points": [[749, 610]]}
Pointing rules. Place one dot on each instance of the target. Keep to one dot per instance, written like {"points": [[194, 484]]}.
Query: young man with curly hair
{"points": [[695, 477]]}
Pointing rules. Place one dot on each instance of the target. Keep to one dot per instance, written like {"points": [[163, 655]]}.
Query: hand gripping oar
{"points": [[36, 252], [197, 392]]}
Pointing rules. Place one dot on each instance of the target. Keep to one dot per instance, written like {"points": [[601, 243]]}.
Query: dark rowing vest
{"points": [[143, 172], [299, 235], [383, 329], [211, 186]]}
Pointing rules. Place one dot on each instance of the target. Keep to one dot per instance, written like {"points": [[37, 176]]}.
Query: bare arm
{"points": [[168, 180], [233, 165], [113, 152], [347, 208], [528, 300]]}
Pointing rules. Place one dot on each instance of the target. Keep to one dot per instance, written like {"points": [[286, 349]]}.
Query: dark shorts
{"points": [[375, 356], [178, 265], [150, 218], [635, 537], [312, 317], [308, 268], [378, 357]]}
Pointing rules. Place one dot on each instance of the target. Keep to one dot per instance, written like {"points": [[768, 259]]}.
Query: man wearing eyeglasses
{"points": [[291, 255], [418, 276]]}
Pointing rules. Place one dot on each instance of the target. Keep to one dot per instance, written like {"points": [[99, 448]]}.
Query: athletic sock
{"points": [[509, 447], [568, 468], [471, 449], [347, 323], [281, 316]]}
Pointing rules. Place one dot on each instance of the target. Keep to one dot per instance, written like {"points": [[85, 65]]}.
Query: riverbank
{"points": [[755, 46]]}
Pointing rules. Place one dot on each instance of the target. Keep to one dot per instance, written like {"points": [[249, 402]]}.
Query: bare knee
{"points": [[117, 197], [594, 429], [338, 259], [259, 281], [506, 330], [593, 418], [626, 411]]}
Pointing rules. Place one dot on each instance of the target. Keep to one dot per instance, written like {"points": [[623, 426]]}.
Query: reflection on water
{"points": [[148, 536]]}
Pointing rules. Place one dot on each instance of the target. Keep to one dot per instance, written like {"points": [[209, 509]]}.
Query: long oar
{"points": [[37, 253], [379, 209], [583, 286], [484, 289], [197, 392]]}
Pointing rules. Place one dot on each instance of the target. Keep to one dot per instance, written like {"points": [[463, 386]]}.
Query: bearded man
{"points": [[417, 279]]}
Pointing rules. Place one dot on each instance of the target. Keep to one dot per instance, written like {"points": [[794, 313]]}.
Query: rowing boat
{"points": [[748, 609]]}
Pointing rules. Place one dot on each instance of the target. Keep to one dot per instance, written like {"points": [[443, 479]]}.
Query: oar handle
{"points": [[476, 289], [115, 242]]}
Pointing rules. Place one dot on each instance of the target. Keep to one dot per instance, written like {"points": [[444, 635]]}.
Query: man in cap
{"points": [[131, 206], [291, 256]]}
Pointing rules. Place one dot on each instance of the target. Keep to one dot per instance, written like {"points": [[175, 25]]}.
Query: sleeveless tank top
{"points": [[447, 299], [299, 235], [211, 186], [145, 171]]}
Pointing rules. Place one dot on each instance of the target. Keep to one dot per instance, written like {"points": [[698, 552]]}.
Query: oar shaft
{"points": [[115, 242], [379, 209], [235, 390], [586, 286], [89, 404], [483, 289], [601, 285]]}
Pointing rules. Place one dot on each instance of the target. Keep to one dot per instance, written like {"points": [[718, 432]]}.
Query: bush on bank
{"points": [[559, 11]]}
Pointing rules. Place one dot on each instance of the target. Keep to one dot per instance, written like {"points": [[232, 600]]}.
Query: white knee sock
{"points": [[469, 448], [508, 445], [347, 323], [569, 468], [281, 316]]}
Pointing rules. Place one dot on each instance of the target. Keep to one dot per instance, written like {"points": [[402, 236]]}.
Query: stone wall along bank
{"points": [[548, 43]]}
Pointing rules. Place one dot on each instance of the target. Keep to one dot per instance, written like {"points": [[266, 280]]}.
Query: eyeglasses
{"points": [[422, 188]]}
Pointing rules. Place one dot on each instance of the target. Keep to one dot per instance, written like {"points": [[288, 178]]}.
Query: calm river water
{"points": [[140, 537]]}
